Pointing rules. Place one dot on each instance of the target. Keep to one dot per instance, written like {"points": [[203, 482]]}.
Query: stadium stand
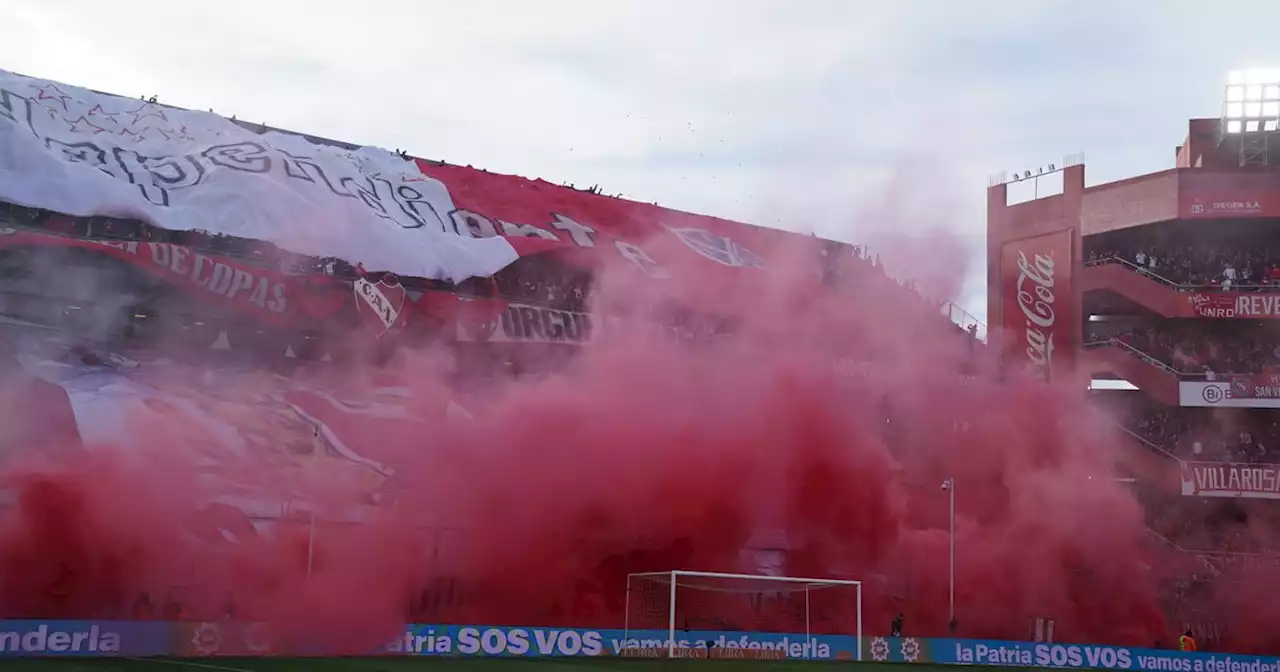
{"points": [[216, 293], [1239, 265], [1175, 275], [1197, 348]]}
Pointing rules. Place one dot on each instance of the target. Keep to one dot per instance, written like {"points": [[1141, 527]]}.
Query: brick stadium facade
{"points": [[1168, 281]]}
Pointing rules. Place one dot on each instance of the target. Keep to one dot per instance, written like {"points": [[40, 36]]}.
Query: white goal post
{"points": [[660, 601]]}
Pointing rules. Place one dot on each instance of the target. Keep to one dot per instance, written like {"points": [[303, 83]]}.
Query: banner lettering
{"points": [[1207, 195], [1234, 305], [266, 293], [82, 153], [1211, 479], [1220, 563], [532, 324], [83, 638]]}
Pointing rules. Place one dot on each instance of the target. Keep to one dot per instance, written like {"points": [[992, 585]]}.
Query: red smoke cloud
{"points": [[643, 454]]}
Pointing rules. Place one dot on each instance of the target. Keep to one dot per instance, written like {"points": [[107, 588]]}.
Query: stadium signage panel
{"points": [[239, 639], [1213, 479], [1239, 391], [1030, 654], [1234, 305], [1208, 195], [1228, 208], [1035, 273], [228, 638], [83, 638], [82, 153]]}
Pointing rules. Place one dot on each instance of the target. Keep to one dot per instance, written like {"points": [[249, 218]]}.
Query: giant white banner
{"points": [[83, 153]]}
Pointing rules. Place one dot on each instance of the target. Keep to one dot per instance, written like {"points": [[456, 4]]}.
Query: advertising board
{"points": [[83, 638], [1228, 393], [1216, 479], [142, 639]]}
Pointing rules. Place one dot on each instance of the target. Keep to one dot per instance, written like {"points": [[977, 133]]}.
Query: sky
{"points": [[868, 122]]}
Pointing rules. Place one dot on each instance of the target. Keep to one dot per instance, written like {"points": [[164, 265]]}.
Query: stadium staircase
{"points": [[1126, 279], [1157, 380]]}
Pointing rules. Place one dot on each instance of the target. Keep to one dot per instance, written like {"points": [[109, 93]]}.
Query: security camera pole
{"points": [[950, 486]]}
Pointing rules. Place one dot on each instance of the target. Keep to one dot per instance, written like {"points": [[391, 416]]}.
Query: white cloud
{"points": [[796, 113]]}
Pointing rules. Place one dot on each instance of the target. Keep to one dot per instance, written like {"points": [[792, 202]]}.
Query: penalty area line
{"points": [[183, 663]]}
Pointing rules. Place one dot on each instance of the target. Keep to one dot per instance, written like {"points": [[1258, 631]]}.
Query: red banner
{"points": [[605, 228], [1220, 563], [1211, 479], [1235, 305], [268, 294], [1255, 385], [1036, 286], [1228, 195]]}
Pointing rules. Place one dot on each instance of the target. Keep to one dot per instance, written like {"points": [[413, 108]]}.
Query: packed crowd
{"points": [[1205, 524], [1198, 348], [1246, 266], [1208, 435], [547, 282]]}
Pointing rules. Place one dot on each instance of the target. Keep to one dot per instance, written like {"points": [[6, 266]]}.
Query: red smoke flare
{"points": [[643, 455]]}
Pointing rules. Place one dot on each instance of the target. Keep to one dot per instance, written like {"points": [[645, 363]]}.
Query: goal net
{"points": [[669, 614]]}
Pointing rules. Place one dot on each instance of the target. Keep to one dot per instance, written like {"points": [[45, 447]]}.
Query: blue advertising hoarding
{"points": [[130, 638], [1082, 656], [83, 638], [449, 640]]}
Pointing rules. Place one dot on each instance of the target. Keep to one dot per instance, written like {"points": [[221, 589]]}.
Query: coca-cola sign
{"points": [[1035, 300], [1037, 272]]}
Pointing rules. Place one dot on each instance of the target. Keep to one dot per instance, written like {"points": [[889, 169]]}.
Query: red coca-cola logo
{"points": [[1035, 300]]}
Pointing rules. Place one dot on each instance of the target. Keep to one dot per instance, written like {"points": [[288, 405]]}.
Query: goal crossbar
{"points": [[673, 579], [748, 577]]}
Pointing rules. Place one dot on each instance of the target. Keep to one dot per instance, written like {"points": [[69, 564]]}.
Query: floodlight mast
{"points": [[1251, 115]]}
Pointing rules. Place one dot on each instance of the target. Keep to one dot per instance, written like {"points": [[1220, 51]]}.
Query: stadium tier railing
{"points": [[965, 320], [1177, 286], [1153, 361], [1147, 443], [1149, 359]]}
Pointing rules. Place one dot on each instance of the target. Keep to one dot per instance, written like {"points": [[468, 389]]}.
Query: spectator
{"points": [[1247, 262], [1208, 435], [1197, 348]]}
